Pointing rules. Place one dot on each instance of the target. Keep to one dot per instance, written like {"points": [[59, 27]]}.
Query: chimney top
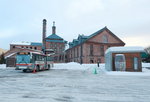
{"points": [[53, 23], [44, 20], [53, 28]]}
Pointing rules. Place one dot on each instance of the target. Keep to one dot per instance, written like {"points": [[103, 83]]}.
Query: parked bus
{"points": [[33, 61]]}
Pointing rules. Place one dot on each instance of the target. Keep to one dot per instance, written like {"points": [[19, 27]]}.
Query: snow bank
{"points": [[145, 71], [76, 66], [100, 70], [146, 65], [73, 66], [91, 67], [2, 66]]}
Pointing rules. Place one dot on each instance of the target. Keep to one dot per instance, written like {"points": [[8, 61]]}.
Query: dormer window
{"points": [[105, 39]]}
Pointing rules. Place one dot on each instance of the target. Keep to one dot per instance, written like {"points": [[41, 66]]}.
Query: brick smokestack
{"points": [[44, 33], [53, 28]]}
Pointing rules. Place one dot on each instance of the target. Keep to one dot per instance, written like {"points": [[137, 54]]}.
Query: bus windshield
{"points": [[23, 59]]}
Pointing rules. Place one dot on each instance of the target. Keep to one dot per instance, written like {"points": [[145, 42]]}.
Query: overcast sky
{"points": [[21, 20]]}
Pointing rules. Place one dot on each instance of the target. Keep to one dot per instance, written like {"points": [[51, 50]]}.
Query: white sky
{"points": [[21, 20]]}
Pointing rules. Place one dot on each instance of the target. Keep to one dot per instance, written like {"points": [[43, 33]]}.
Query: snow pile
{"points": [[83, 67], [76, 66], [2, 66], [101, 70], [146, 65]]}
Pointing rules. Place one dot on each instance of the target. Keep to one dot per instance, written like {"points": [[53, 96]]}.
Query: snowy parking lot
{"points": [[74, 83]]}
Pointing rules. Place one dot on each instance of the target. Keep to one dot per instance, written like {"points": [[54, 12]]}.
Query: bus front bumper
{"points": [[23, 67]]}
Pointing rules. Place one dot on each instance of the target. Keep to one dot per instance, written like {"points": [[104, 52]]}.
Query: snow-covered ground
{"points": [[73, 82]]}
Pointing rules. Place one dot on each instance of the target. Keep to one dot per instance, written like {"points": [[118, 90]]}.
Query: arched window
{"points": [[105, 39], [91, 50], [102, 50], [35, 48]]}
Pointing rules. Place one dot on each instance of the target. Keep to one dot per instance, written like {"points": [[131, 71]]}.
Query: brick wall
{"points": [[97, 43]]}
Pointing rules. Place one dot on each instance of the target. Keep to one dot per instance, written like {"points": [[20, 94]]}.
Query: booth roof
{"points": [[125, 49]]}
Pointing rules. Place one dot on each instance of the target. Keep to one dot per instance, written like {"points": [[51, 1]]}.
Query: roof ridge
{"points": [[54, 36]]}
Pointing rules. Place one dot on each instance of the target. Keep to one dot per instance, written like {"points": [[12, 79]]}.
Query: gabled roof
{"points": [[54, 36], [101, 30], [36, 44], [60, 41], [11, 52], [82, 38]]}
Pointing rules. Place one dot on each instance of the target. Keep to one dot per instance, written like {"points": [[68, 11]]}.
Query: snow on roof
{"points": [[67, 47], [27, 43], [125, 49], [49, 49], [21, 43], [10, 55], [37, 53]]}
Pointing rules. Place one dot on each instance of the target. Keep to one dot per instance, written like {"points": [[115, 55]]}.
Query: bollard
{"points": [[95, 71]]}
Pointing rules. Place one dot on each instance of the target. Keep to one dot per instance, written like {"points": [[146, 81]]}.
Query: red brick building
{"points": [[91, 49], [53, 43]]}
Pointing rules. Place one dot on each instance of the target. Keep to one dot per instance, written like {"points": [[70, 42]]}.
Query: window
{"points": [[71, 53], [101, 50], [77, 52], [30, 47], [91, 49], [35, 48], [135, 63], [105, 39], [13, 46], [74, 52]]}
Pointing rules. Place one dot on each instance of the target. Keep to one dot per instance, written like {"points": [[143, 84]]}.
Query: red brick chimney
{"points": [[53, 28], [44, 32]]}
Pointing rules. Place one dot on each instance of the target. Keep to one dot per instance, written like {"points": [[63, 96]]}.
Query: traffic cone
{"points": [[95, 71], [34, 71]]}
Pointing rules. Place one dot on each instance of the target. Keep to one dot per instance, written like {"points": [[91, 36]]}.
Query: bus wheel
{"points": [[24, 70], [37, 68]]}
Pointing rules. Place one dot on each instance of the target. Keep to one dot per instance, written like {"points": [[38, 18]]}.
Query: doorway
{"points": [[136, 64]]}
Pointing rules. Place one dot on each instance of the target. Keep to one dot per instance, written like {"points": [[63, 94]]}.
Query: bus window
{"points": [[23, 58]]}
